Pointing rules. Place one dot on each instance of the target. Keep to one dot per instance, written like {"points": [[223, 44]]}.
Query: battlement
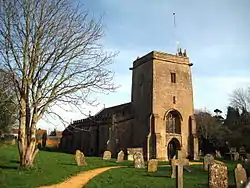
{"points": [[179, 58]]}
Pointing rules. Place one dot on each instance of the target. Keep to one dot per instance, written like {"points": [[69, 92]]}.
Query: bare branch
{"points": [[53, 53]]}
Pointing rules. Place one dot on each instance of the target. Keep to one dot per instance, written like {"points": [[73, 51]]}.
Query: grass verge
{"points": [[50, 168]]}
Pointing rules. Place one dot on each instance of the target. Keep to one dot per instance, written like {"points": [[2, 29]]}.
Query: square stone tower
{"points": [[162, 98]]}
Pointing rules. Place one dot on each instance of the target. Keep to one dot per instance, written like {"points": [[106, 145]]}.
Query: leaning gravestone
{"points": [[152, 165], [138, 160], [218, 177], [106, 155], [239, 175], [80, 159], [120, 157], [208, 160]]}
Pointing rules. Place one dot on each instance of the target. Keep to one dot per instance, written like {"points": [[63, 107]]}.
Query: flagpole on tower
{"points": [[175, 26]]}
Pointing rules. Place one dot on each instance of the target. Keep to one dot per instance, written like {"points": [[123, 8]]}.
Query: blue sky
{"points": [[215, 34]]}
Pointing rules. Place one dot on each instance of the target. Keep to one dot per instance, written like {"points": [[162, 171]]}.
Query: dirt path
{"points": [[80, 180]]}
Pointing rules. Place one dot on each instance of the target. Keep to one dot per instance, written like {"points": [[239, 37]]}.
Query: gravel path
{"points": [[81, 179]]}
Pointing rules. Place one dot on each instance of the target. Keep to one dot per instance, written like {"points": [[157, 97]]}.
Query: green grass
{"points": [[50, 168], [140, 178]]}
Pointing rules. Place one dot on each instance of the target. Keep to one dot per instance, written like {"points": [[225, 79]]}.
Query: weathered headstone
{"points": [[207, 160], [106, 155], [239, 175], [152, 165], [80, 159], [120, 157], [218, 177], [132, 151], [138, 160]]}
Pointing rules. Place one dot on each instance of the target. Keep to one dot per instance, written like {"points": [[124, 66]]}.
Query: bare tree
{"points": [[240, 99], [52, 50], [8, 107]]}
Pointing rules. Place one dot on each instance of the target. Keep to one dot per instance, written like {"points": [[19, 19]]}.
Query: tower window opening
{"points": [[173, 77], [174, 100]]}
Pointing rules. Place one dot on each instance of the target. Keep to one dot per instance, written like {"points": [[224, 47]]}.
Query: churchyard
{"points": [[54, 167]]}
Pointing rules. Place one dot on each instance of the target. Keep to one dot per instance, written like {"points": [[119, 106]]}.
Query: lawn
{"points": [[140, 178], [51, 167]]}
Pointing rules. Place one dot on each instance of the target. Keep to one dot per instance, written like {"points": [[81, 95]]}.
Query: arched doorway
{"points": [[173, 146]]}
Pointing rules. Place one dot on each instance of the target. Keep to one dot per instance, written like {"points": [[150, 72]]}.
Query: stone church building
{"points": [[159, 118]]}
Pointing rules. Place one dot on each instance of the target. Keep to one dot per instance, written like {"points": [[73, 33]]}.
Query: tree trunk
{"points": [[27, 150], [27, 160]]}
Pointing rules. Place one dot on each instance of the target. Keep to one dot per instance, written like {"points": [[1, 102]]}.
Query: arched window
{"points": [[173, 122]]}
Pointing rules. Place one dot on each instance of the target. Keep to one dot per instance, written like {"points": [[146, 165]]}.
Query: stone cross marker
{"points": [[80, 159], [218, 177], [175, 162], [138, 160], [106, 155], [177, 169], [208, 160], [152, 165], [240, 175], [120, 157]]}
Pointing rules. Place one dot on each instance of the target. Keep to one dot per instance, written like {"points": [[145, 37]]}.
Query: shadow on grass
{"points": [[155, 175], [15, 161], [8, 167], [69, 164]]}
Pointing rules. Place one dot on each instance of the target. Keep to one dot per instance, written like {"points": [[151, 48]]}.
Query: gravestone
{"points": [[106, 155], [246, 166], [236, 156], [130, 157], [240, 175], [218, 177], [242, 150], [120, 157], [132, 151], [177, 168], [248, 156], [200, 153], [217, 154], [80, 159], [207, 160], [138, 160], [152, 165]]}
